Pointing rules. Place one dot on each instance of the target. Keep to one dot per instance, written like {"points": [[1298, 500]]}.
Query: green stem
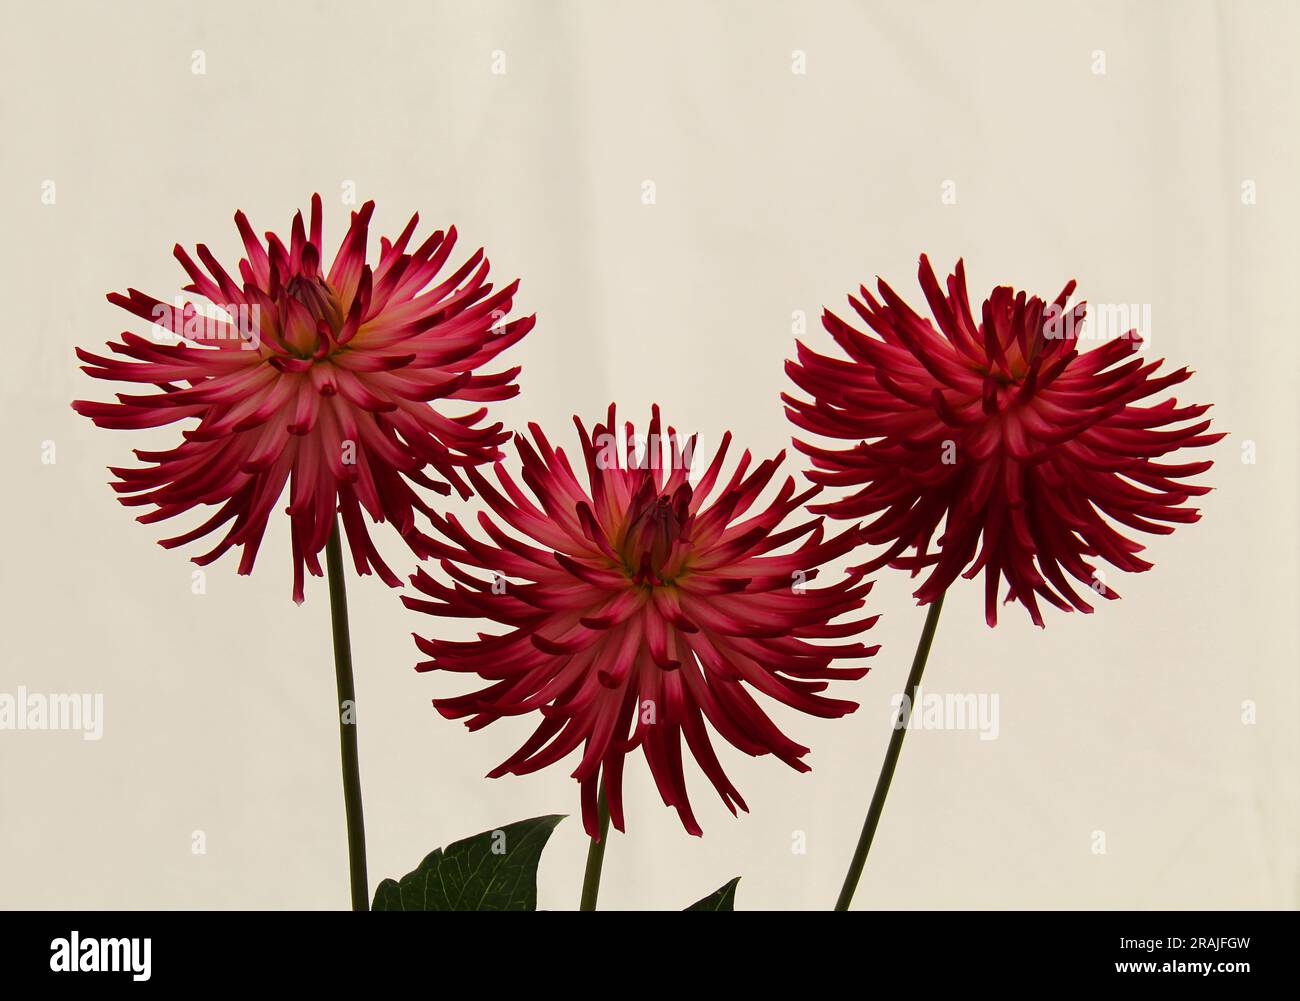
{"points": [[595, 855], [347, 709], [891, 757]]}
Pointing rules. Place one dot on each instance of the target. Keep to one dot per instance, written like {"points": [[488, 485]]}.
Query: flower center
{"points": [[326, 315], [653, 548], [313, 293]]}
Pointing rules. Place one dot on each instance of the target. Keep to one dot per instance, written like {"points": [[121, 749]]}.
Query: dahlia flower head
{"points": [[1025, 456], [640, 608], [329, 382]]}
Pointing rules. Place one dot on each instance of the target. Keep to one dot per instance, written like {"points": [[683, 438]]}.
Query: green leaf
{"points": [[720, 900], [492, 871]]}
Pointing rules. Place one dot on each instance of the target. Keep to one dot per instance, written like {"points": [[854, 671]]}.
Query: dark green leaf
{"points": [[721, 900], [492, 871]]}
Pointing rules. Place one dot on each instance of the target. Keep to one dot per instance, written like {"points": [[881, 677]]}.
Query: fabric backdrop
{"points": [[794, 150]]}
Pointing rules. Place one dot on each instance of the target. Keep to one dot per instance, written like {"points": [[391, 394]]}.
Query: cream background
{"points": [[775, 193]]}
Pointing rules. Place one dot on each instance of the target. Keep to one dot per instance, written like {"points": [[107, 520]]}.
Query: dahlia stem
{"points": [[347, 709], [891, 757], [595, 856]]}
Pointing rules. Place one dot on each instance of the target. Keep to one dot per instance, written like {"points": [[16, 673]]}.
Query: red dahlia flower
{"points": [[643, 609], [319, 380], [1000, 430]]}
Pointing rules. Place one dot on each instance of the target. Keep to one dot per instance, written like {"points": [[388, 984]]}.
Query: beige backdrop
{"points": [[777, 192]]}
